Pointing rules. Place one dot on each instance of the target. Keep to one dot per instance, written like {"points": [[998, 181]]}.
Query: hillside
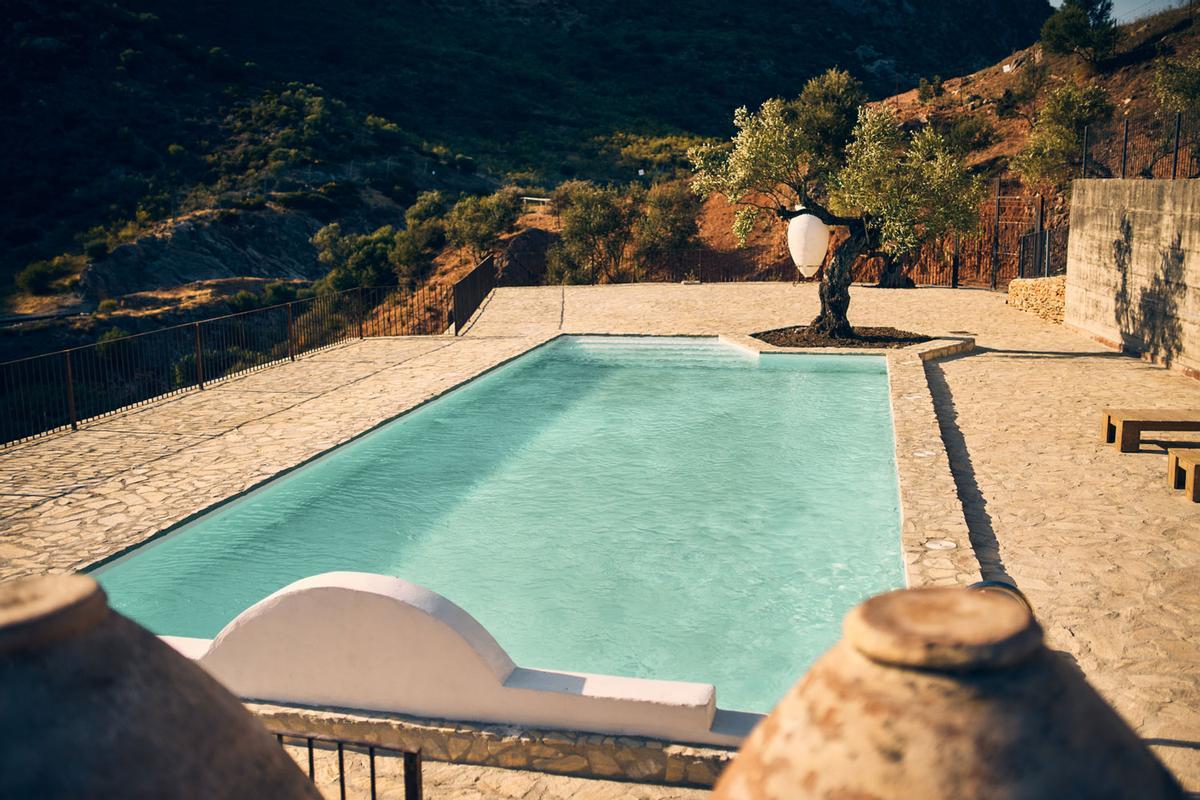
{"points": [[1126, 78], [127, 115], [972, 103]]}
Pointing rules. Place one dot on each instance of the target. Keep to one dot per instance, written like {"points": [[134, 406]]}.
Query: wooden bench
{"points": [[1183, 471], [1124, 426]]}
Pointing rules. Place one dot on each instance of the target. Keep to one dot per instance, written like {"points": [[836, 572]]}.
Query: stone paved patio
{"points": [[1109, 558]]}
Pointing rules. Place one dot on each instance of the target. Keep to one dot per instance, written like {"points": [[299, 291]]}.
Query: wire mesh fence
{"points": [[1165, 147]]}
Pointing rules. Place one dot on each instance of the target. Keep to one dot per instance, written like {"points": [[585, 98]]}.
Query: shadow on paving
{"points": [[979, 522], [1047, 353]]}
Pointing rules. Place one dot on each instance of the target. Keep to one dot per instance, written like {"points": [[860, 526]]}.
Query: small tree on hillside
{"points": [[597, 225], [1053, 147], [800, 151], [1084, 27], [1019, 101], [477, 223], [354, 259], [667, 222], [1177, 83], [429, 206]]}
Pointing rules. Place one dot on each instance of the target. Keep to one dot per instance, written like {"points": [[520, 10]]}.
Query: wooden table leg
{"points": [[1129, 437], [1108, 431]]}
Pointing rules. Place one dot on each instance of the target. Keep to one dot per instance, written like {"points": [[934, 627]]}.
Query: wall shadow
{"points": [[979, 522], [1150, 321]]}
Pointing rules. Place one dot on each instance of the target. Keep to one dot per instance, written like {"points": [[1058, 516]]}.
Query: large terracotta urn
{"points": [[944, 694], [94, 706]]}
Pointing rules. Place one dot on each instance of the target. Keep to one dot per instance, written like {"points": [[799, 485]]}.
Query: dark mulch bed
{"points": [[799, 336]]}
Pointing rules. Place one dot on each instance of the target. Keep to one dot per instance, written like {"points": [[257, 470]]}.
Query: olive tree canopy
{"points": [[848, 165]]}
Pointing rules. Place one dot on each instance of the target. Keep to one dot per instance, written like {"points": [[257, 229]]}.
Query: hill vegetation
{"points": [[128, 116], [170, 160]]}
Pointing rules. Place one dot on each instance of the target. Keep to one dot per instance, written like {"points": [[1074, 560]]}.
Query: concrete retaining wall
{"points": [[1133, 267]]}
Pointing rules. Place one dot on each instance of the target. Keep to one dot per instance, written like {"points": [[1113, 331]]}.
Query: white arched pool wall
{"points": [[374, 642]]}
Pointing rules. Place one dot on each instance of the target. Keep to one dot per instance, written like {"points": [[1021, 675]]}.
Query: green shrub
{"points": [[107, 306], [277, 292], [355, 259], [106, 340], [40, 276], [967, 133], [1177, 83], [428, 206], [244, 301], [1020, 100], [927, 90], [597, 225]]}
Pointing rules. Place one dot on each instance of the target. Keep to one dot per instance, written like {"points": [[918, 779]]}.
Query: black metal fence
{"points": [[55, 391], [1164, 147], [1043, 254], [413, 783], [470, 291]]}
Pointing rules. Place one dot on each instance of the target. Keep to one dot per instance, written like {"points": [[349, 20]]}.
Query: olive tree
{"points": [[667, 222], [907, 189], [477, 223], [850, 168], [1049, 155], [597, 225]]}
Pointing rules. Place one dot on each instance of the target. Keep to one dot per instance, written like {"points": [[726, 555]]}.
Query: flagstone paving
{"points": [[1108, 556]]}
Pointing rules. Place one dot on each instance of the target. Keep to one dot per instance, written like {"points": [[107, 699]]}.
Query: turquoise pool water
{"points": [[662, 508]]}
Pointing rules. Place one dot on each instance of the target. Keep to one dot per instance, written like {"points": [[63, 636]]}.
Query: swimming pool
{"points": [[672, 508]]}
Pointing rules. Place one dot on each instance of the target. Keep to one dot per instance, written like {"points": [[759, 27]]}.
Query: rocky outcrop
{"points": [[264, 243]]}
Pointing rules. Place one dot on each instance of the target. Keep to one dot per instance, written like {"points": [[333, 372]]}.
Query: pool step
{"points": [[677, 350]]}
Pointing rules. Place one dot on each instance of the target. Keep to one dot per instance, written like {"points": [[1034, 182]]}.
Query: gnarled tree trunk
{"points": [[835, 285]]}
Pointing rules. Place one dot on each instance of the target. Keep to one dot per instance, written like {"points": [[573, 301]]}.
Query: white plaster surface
{"points": [[412, 651]]}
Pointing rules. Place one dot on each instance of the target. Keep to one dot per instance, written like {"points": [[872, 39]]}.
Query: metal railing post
{"points": [[1175, 156], [290, 335], [362, 312], [1083, 167], [70, 392], [199, 356], [954, 264], [1124, 146], [996, 239], [1041, 230], [412, 776]]}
